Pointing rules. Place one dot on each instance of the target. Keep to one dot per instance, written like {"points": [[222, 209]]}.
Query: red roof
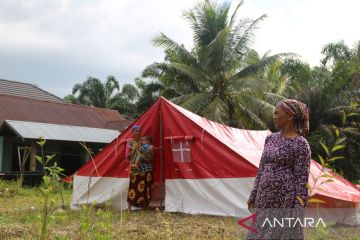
{"points": [[33, 110]]}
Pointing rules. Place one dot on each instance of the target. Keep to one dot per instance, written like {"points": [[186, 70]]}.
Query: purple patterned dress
{"points": [[283, 174]]}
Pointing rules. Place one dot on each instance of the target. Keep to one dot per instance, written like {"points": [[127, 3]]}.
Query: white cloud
{"points": [[57, 43], [304, 27], [21, 35]]}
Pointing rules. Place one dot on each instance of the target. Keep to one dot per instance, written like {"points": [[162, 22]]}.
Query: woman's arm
{"points": [[256, 184], [257, 179], [301, 173]]}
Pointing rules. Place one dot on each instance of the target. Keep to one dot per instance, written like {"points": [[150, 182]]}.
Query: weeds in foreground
{"points": [[167, 227], [16, 223], [324, 177], [98, 223], [50, 182], [47, 207], [8, 189], [56, 174]]}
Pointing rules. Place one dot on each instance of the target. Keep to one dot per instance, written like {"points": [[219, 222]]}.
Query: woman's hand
{"points": [[136, 145]]}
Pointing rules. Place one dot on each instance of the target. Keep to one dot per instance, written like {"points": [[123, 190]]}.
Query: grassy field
{"points": [[20, 219]]}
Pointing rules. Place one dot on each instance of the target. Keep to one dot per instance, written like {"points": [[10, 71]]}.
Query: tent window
{"points": [[181, 151]]}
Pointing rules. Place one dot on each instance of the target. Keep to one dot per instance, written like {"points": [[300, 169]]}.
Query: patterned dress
{"points": [[281, 181], [141, 179]]}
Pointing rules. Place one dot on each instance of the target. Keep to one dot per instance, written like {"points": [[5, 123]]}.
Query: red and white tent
{"points": [[200, 166]]}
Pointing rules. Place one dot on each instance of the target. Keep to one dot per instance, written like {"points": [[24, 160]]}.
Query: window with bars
{"points": [[181, 151], [181, 148]]}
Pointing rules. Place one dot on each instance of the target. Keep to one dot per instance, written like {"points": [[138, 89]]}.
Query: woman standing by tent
{"points": [[283, 171], [140, 184]]}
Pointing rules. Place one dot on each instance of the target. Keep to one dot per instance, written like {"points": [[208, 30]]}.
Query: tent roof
{"points": [[245, 144], [234, 138]]}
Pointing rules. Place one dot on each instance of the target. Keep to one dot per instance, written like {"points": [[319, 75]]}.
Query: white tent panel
{"points": [[89, 190], [221, 196]]}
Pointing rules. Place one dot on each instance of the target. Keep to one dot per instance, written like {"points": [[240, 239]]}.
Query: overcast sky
{"points": [[58, 43]]}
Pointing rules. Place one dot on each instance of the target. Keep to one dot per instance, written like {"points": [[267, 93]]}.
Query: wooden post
{"points": [[23, 155], [162, 182], [32, 156]]}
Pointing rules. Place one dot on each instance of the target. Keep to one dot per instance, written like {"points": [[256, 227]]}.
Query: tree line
{"points": [[224, 79]]}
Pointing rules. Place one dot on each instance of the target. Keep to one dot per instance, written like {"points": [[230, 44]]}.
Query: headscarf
{"points": [[299, 111], [129, 145], [135, 127]]}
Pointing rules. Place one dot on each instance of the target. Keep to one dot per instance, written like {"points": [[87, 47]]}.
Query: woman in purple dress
{"points": [[283, 173]]}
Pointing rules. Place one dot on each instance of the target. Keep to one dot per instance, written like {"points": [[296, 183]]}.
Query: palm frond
{"points": [[233, 16], [259, 107], [130, 92], [197, 103], [247, 119], [76, 88], [352, 133], [273, 98], [215, 51], [189, 75], [207, 19], [152, 71], [248, 83], [179, 100], [111, 84], [261, 65], [216, 111], [169, 93], [152, 87], [244, 34], [180, 51], [327, 133]]}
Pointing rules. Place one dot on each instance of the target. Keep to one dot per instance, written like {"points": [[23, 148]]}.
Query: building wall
{"points": [[9, 156], [9, 159], [68, 155], [1, 152]]}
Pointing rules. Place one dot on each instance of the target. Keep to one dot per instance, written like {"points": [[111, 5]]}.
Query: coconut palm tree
{"points": [[134, 100], [149, 93], [214, 78], [95, 93], [125, 101], [331, 92]]}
